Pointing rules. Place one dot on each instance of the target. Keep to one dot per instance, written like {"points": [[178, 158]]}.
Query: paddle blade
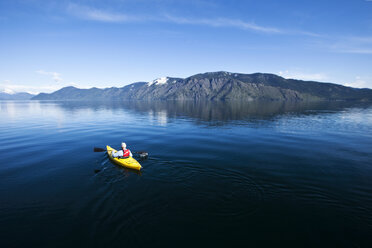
{"points": [[97, 149], [142, 154]]}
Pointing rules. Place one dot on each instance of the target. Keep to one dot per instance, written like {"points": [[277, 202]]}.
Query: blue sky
{"points": [[46, 45]]}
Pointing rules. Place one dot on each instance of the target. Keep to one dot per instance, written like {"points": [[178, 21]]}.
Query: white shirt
{"points": [[120, 154]]}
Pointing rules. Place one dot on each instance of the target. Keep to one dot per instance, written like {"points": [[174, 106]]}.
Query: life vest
{"points": [[126, 153]]}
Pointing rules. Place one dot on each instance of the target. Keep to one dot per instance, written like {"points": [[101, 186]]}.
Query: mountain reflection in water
{"points": [[212, 112]]}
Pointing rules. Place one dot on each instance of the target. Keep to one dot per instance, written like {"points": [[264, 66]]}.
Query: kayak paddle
{"points": [[142, 154], [97, 149]]}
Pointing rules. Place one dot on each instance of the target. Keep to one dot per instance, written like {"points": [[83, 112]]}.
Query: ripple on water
{"points": [[127, 202], [214, 191], [229, 193]]}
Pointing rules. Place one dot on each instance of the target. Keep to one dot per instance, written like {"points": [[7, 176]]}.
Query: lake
{"points": [[219, 174]]}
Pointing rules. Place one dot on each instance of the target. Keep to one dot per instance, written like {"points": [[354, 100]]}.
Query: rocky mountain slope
{"points": [[16, 96], [218, 86]]}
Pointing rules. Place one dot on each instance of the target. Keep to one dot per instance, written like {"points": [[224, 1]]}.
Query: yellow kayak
{"points": [[130, 162]]}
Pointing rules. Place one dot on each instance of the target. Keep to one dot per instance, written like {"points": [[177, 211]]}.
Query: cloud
{"points": [[94, 14], [303, 76], [359, 82], [355, 51], [88, 13], [99, 15], [10, 88], [55, 75], [222, 22], [5, 89], [352, 44], [236, 23]]}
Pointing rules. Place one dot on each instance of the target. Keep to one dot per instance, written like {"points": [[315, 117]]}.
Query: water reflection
{"points": [[162, 112], [211, 111]]}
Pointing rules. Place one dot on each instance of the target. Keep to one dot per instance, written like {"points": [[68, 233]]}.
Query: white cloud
{"points": [[240, 24], [94, 14], [356, 51], [5, 89], [55, 75], [223, 22], [359, 82], [352, 44], [88, 13], [303, 76], [11, 88]]}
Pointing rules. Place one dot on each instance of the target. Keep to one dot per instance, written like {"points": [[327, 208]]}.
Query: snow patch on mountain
{"points": [[159, 81]]}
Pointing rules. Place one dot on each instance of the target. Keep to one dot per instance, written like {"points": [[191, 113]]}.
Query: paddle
{"points": [[97, 149], [142, 154]]}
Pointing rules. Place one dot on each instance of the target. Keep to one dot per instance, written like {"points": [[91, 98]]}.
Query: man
{"points": [[124, 153]]}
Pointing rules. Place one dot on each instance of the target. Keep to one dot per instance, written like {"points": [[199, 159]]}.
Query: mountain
{"points": [[218, 86], [16, 96]]}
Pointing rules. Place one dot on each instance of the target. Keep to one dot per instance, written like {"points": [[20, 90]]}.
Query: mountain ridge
{"points": [[219, 85], [16, 96]]}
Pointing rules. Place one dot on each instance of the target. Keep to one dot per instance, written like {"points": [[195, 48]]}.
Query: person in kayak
{"points": [[124, 153]]}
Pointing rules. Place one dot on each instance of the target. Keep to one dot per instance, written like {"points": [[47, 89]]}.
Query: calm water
{"points": [[218, 174]]}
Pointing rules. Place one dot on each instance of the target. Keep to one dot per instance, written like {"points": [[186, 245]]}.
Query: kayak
{"points": [[130, 162]]}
